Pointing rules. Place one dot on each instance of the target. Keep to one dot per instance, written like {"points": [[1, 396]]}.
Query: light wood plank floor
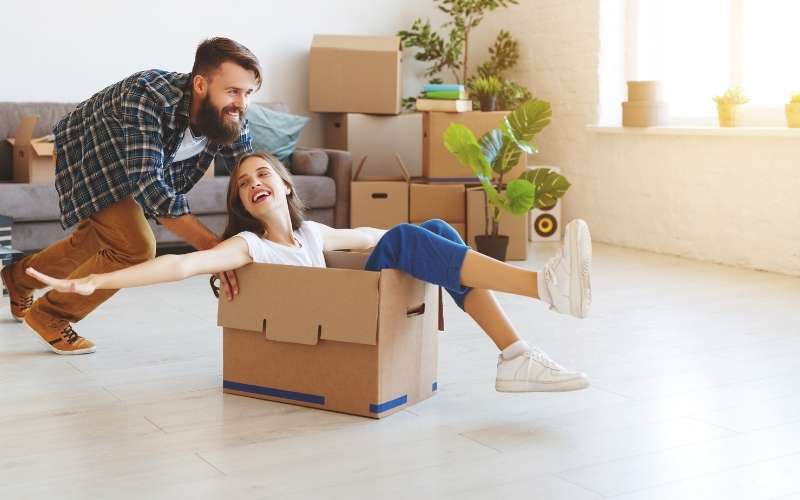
{"points": [[694, 371]]}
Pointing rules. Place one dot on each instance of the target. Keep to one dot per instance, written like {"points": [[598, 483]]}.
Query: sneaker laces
{"points": [[543, 359], [69, 334], [25, 302]]}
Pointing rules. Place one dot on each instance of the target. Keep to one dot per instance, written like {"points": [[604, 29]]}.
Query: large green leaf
{"points": [[550, 186], [522, 124], [460, 141], [521, 195]]}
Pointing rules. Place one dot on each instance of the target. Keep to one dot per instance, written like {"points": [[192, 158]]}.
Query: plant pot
{"points": [[493, 246], [793, 114], [488, 103], [728, 114]]}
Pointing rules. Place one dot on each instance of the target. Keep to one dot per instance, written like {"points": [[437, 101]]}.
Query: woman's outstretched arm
{"points": [[359, 238], [230, 254]]}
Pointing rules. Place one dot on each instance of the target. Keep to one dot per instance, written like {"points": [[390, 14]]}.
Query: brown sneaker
{"points": [[57, 334], [21, 302]]}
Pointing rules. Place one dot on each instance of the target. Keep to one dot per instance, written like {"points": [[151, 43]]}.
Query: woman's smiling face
{"points": [[261, 189]]}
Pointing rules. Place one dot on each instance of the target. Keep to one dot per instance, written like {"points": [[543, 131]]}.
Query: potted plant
{"points": [[487, 89], [728, 106], [448, 53], [793, 111], [494, 155]]}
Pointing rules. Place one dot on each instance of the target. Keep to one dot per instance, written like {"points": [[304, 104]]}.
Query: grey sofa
{"points": [[34, 207]]}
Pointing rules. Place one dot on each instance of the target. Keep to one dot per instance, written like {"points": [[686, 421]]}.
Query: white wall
{"points": [[732, 199], [66, 51]]}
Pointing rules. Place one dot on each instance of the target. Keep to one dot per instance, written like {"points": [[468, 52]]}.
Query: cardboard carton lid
{"points": [[304, 304], [356, 42], [23, 136], [400, 165], [24, 132]]}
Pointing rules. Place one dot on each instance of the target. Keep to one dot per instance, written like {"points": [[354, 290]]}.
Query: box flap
{"points": [[400, 166], [346, 260], [355, 42], [24, 132], [43, 148], [304, 304]]}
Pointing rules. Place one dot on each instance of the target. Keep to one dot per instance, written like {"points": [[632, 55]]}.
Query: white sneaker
{"points": [[534, 371], [567, 287]]}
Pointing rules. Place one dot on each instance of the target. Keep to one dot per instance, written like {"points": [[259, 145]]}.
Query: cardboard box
{"points": [[380, 137], [513, 226], [355, 74], [34, 159], [337, 338], [437, 201], [460, 227], [438, 163], [380, 202]]}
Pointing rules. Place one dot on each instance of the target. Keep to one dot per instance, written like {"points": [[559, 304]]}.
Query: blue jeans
{"points": [[431, 252]]}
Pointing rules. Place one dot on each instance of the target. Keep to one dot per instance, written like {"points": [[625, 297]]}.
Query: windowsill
{"points": [[698, 130]]}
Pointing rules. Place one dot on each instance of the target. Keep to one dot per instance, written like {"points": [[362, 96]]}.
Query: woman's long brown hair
{"points": [[239, 219]]}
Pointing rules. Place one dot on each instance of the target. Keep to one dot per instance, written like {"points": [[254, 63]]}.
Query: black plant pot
{"points": [[493, 246], [488, 103]]}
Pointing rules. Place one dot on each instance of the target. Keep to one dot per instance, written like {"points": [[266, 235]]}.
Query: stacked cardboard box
{"points": [[34, 158], [356, 81]]}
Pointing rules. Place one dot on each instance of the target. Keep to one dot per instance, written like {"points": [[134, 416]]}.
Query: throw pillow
{"points": [[274, 131]]}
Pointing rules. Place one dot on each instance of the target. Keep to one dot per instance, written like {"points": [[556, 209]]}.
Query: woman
{"points": [[265, 224]]}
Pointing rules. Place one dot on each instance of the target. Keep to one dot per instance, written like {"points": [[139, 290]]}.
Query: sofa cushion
{"points": [[274, 131], [309, 162]]}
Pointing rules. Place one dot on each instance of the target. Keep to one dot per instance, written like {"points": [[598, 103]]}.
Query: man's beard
{"points": [[211, 123]]}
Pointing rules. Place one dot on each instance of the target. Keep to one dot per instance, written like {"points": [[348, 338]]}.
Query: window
{"points": [[699, 48]]}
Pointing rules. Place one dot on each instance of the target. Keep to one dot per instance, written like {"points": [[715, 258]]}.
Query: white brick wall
{"points": [[734, 200]]}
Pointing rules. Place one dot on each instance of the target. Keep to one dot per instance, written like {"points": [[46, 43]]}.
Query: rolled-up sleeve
{"points": [[144, 161]]}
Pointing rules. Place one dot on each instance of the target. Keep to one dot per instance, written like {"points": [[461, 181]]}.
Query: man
{"points": [[130, 151]]}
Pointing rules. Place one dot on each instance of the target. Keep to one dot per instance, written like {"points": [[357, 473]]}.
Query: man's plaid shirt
{"points": [[120, 143]]}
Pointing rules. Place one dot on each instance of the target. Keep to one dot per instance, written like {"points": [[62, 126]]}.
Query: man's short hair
{"points": [[214, 51]]}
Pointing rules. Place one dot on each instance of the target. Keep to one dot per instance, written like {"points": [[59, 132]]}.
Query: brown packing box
{"points": [[513, 226], [438, 162], [437, 201], [380, 202], [460, 227], [355, 74], [34, 159], [337, 338], [380, 137]]}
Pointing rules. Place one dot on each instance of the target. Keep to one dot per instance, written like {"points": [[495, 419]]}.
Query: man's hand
{"points": [[228, 284]]}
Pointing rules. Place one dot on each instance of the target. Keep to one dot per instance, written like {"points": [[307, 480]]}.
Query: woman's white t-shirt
{"points": [[309, 253]]}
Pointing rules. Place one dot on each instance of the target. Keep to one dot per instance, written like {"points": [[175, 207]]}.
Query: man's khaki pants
{"points": [[114, 238]]}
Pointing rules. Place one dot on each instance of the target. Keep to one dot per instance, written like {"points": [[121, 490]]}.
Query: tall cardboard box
{"points": [[379, 137], [355, 74], [380, 201], [438, 162], [337, 338], [513, 226], [34, 159]]}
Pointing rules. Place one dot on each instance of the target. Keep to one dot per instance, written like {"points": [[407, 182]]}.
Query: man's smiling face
{"points": [[224, 98]]}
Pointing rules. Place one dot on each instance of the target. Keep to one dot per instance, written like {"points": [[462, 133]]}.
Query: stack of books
{"points": [[5, 231], [444, 97]]}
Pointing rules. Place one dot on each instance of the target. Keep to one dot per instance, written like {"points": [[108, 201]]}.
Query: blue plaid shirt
{"points": [[120, 143]]}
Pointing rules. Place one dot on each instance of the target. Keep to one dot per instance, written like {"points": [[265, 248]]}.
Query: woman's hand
{"points": [[82, 286]]}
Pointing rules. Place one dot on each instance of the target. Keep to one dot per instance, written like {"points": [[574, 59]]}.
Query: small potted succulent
{"points": [[728, 106], [793, 111], [487, 89]]}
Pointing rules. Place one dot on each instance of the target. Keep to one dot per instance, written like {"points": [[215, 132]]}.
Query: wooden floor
{"points": [[695, 370]]}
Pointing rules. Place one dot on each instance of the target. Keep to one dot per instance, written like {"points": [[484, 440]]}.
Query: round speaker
{"points": [[545, 225]]}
